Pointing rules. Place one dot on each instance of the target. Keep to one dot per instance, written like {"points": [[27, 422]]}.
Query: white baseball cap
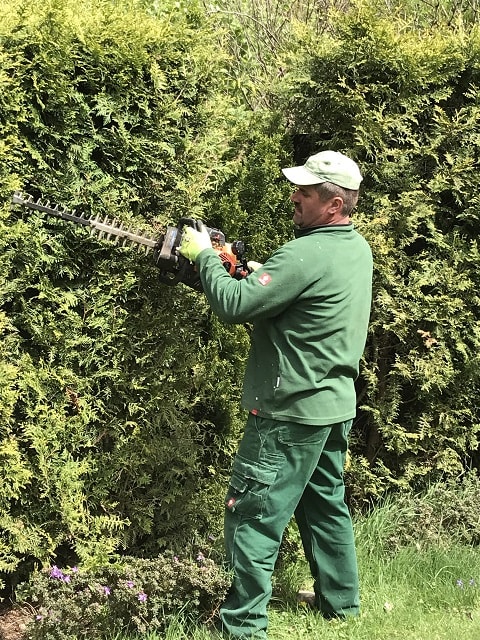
{"points": [[326, 166]]}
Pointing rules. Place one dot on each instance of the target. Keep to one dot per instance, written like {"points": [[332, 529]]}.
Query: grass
{"points": [[423, 587], [411, 595]]}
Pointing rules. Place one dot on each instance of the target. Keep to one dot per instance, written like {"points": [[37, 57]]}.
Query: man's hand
{"points": [[253, 266], [193, 242]]}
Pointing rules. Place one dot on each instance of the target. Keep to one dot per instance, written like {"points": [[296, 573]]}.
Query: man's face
{"points": [[310, 211]]}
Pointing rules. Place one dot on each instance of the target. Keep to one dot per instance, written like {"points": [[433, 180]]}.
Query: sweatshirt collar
{"points": [[299, 233]]}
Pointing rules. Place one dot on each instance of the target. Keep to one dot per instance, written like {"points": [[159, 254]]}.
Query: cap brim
{"points": [[301, 176]]}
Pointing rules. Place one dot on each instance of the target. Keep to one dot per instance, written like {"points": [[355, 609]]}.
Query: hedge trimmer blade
{"points": [[102, 228], [173, 266]]}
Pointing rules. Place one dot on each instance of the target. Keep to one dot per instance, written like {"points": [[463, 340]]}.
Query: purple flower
{"points": [[38, 617], [176, 560], [142, 596], [460, 584], [471, 582], [55, 572], [130, 584], [106, 591], [200, 557], [74, 569], [66, 578]]}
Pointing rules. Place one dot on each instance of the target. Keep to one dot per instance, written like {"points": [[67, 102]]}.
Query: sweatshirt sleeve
{"points": [[263, 294]]}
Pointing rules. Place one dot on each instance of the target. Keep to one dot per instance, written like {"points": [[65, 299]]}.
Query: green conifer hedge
{"points": [[115, 389], [119, 395]]}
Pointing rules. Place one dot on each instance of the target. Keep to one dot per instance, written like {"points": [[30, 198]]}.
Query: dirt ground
{"points": [[13, 622]]}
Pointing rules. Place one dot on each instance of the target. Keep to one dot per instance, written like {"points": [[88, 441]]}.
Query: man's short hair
{"points": [[327, 190]]}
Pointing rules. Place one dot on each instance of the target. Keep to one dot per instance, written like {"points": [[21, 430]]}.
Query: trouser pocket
{"points": [[249, 486]]}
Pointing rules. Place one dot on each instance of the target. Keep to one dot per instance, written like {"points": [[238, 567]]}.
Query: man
{"points": [[309, 305]]}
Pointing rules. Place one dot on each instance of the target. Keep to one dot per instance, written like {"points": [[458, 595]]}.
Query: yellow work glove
{"points": [[193, 242], [253, 266]]}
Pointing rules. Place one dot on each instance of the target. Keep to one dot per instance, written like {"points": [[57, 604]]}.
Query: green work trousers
{"points": [[281, 469]]}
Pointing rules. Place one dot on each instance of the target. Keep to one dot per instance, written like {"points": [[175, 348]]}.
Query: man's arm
{"points": [[264, 293]]}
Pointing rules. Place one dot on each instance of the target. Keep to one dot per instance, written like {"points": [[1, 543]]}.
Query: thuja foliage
{"points": [[109, 412], [114, 387], [404, 103], [101, 100], [252, 197], [136, 596]]}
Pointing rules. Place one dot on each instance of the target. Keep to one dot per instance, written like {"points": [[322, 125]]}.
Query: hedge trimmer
{"points": [[174, 267]]}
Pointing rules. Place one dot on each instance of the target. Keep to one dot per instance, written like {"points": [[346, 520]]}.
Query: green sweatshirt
{"points": [[310, 306]]}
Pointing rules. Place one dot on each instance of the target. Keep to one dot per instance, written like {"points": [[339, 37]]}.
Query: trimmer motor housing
{"points": [[175, 268]]}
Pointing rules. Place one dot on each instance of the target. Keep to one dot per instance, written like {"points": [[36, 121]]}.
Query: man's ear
{"points": [[336, 206]]}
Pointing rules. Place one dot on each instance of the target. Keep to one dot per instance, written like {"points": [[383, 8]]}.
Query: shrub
{"points": [[133, 596]]}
